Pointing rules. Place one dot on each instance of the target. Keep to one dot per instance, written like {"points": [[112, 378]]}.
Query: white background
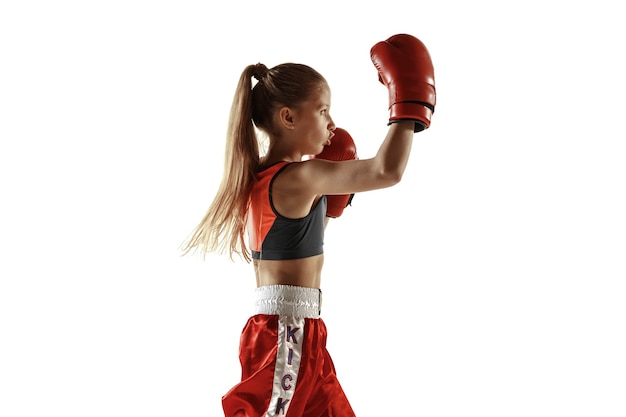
{"points": [[488, 282]]}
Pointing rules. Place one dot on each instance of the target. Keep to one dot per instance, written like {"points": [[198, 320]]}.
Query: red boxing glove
{"points": [[341, 148], [405, 68]]}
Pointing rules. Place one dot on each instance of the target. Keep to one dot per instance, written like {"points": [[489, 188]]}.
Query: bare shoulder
{"points": [[301, 177], [294, 191]]}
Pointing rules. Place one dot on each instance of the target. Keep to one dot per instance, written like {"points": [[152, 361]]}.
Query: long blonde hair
{"points": [[223, 228]]}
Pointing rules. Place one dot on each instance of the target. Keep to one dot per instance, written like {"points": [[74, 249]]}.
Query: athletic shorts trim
{"points": [[291, 332], [288, 300]]}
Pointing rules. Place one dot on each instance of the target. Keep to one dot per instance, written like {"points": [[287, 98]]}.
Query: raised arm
{"points": [[404, 66]]}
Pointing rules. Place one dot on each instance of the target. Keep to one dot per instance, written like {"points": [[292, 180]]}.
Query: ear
{"points": [[286, 118]]}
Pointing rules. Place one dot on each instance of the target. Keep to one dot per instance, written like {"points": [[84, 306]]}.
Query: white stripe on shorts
{"points": [[290, 338]]}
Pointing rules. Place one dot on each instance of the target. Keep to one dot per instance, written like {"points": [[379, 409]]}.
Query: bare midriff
{"points": [[305, 272]]}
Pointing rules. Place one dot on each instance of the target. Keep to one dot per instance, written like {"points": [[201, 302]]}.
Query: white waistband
{"points": [[288, 300]]}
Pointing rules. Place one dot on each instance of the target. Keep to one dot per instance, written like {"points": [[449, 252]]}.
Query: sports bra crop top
{"points": [[274, 237]]}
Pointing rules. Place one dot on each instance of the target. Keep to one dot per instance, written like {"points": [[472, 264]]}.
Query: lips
{"points": [[332, 135]]}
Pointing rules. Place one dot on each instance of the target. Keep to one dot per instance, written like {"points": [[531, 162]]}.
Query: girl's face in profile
{"points": [[312, 122]]}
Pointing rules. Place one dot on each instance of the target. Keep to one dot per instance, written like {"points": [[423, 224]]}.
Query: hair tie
{"points": [[260, 71]]}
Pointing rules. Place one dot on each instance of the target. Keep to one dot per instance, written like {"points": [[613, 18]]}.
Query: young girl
{"points": [[272, 211]]}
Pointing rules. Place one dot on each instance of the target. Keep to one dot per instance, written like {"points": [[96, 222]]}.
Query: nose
{"points": [[331, 123]]}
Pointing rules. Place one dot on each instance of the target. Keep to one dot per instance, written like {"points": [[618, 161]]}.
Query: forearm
{"points": [[393, 154]]}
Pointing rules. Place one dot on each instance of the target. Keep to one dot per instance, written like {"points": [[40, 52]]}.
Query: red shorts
{"points": [[286, 369]]}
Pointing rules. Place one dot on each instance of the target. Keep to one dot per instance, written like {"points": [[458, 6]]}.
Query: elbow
{"points": [[395, 179], [388, 172], [391, 177]]}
